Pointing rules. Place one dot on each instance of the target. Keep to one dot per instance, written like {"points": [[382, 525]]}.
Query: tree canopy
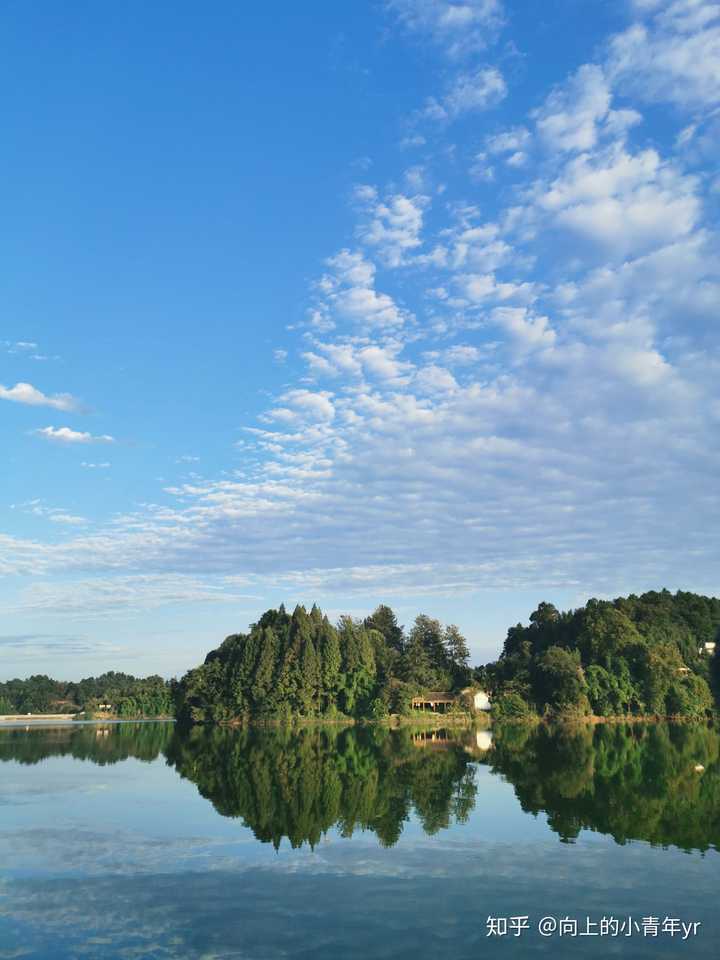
{"points": [[641, 655], [127, 696], [301, 665]]}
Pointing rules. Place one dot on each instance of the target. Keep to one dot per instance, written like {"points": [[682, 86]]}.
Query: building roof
{"points": [[435, 696]]}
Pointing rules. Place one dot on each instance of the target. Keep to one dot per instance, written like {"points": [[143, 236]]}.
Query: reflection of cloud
{"points": [[349, 903]]}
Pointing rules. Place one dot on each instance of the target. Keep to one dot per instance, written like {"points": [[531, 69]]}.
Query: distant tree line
{"points": [[633, 656], [127, 696], [301, 665], [637, 655]]}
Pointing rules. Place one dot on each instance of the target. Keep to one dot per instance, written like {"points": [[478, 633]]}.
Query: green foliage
{"points": [[128, 696], [385, 622], [631, 656], [511, 706], [457, 653], [299, 666]]}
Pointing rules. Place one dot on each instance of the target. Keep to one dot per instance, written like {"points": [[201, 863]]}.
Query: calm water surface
{"points": [[142, 841]]}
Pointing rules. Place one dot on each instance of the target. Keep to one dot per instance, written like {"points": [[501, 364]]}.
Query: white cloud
{"points": [[509, 141], [66, 435], [305, 403], [28, 394], [349, 294], [481, 169], [481, 90], [675, 58], [480, 288], [627, 202], [460, 28], [480, 248], [461, 355], [38, 508], [435, 379], [528, 331], [569, 118], [394, 226], [382, 362]]}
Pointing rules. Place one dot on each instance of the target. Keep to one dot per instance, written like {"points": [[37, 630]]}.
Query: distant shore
{"points": [[53, 718]]}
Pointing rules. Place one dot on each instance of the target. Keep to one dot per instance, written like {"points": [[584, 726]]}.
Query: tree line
{"points": [[127, 696], [636, 655], [633, 656]]}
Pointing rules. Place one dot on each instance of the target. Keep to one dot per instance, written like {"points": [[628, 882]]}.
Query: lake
{"points": [[140, 840]]}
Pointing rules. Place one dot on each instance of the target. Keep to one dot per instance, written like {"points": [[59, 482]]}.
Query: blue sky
{"points": [[411, 302]]}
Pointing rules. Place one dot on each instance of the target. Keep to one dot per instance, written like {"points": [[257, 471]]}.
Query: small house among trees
{"points": [[435, 701]]}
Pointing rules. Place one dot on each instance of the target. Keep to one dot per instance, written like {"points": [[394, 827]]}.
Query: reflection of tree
{"points": [[100, 744], [298, 784], [629, 781]]}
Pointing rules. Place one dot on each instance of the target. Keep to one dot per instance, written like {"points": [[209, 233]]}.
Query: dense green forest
{"points": [[300, 665], [638, 655], [128, 696]]}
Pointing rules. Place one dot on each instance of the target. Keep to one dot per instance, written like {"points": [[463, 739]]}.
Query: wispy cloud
{"points": [[67, 435], [28, 394], [39, 646], [458, 28], [469, 92]]}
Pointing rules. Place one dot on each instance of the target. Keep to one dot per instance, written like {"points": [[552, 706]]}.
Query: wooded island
{"points": [[649, 655]]}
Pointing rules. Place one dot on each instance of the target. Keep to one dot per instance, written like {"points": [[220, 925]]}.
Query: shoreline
{"points": [[393, 721], [595, 720]]}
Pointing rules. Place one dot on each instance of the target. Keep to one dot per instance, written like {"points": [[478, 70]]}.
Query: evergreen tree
{"points": [[385, 622], [458, 654], [331, 665], [262, 685]]}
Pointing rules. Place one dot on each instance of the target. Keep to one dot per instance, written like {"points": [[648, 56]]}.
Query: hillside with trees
{"points": [[638, 655], [300, 665], [128, 696]]}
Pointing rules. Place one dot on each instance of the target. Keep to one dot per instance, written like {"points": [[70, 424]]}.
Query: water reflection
{"points": [[299, 784], [654, 782], [99, 743], [658, 782]]}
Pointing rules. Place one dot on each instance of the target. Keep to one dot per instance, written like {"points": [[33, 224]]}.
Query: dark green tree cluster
{"points": [[127, 695], [658, 782], [635, 655], [300, 783], [301, 665]]}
